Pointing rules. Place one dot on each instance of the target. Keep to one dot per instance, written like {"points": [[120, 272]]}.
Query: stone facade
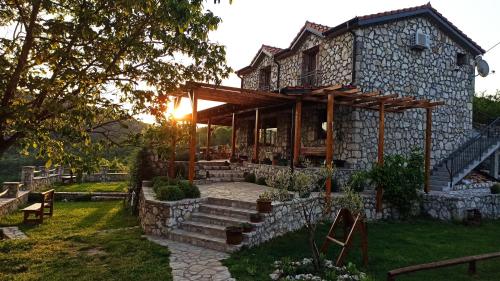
{"points": [[158, 217], [385, 62]]}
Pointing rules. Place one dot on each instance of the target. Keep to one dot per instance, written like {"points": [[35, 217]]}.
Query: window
{"points": [[461, 59], [269, 132], [309, 65], [265, 79]]}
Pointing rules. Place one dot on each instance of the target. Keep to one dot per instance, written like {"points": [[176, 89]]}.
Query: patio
{"points": [[240, 191]]}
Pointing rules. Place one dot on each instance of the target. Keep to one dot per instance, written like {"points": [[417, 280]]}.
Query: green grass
{"points": [[83, 241], [391, 245], [92, 187]]}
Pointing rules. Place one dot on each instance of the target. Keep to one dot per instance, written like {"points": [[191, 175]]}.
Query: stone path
{"points": [[190, 263], [12, 232], [243, 191]]}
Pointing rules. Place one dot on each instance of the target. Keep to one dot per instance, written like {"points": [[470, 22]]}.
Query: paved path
{"points": [[242, 191], [190, 263]]}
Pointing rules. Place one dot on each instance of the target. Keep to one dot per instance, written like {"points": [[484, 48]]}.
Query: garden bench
{"points": [[38, 209], [313, 150], [471, 260]]}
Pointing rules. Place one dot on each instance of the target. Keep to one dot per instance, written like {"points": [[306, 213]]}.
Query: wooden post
{"points": [[297, 133], [171, 166], [329, 140], [192, 143], [256, 137], [233, 137], [380, 156], [428, 149], [209, 133]]}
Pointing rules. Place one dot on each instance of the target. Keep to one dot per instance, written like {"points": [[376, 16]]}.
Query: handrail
{"points": [[472, 149], [471, 260], [311, 78]]}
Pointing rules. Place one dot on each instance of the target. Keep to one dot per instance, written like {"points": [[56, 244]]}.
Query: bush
{"points": [[190, 190], [250, 177], [261, 181], [401, 177], [169, 193], [163, 181], [495, 189], [359, 181]]}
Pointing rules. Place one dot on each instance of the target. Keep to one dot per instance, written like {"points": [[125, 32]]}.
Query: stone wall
{"points": [[10, 205], [453, 206], [261, 170], [287, 216], [158, 217], [388, 64]]}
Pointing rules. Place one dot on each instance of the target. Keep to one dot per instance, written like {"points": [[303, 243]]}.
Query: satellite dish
{"points": [[482, 66]]}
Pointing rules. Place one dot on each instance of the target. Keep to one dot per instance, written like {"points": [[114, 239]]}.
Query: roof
{"points": [[264, 49], [375, 19], [424, 10]]}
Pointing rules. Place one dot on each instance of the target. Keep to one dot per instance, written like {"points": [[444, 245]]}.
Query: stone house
{"points": [[374, 52]]}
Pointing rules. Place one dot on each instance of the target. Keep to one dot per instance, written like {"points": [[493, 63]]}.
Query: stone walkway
{"points": [[191, 263], [243, 191]]}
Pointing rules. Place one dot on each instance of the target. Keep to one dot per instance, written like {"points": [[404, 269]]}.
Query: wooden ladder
{"points": [[351, 225]]}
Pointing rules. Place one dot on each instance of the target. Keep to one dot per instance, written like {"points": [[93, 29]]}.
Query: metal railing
{"points": [[473, 149], [310, 79]]}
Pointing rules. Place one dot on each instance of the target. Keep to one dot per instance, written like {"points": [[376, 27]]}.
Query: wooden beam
{"points": [[380, 152], [233, 137], [428, 149], [256, 137], [329, 140], [209, 134], [324, 90], [192, 143], [173, 141], [298, 132]]}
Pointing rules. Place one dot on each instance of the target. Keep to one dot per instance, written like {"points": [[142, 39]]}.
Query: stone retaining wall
{"points": [[9, 205], [158, 217], [261, 170], [453, 206], [89, 196]]}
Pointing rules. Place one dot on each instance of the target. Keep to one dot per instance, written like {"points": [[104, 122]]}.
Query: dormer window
{"points": [[265, 79], [310, 75]]}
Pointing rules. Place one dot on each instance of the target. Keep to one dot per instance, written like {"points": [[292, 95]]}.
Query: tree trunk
{"points": [[314, 249]]}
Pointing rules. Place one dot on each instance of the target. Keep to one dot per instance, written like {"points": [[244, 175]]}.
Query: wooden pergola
{"points": [[243, 101]]}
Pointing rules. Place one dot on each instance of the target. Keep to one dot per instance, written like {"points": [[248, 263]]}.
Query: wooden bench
{"points": [[313, 150], [38, 209], [471, 260]]}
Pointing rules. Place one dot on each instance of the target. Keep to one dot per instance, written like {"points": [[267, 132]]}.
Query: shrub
{"points": [[190, 190], [261, 181], [169, 193], [250, 177], [359, 181], [401, 177], [495, 189]]}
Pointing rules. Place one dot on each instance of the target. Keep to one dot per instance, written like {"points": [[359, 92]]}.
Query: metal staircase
{"points": [[463, 160]]}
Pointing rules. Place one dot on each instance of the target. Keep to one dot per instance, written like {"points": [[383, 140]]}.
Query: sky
{"points": [[247, 24]]}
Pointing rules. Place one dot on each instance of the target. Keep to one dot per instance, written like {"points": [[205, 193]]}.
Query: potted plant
{"points": [[247, 227], [264, 203], [234, 235], [256, 218]]}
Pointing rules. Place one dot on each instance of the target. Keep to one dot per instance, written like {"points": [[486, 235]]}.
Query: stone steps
{"points": [[232, 203], [224, 174], [215, 168], [201, 240], [232, 212], [204, 228], [217, 220], [215, 180]]}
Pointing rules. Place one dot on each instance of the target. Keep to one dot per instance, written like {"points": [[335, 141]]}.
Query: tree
{"points": [[67, 68], [486, 108]]}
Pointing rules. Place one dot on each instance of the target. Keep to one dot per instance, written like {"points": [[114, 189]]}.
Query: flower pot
{"points": [[264, 206], [255, 218], [247, 228], [234, 235]]}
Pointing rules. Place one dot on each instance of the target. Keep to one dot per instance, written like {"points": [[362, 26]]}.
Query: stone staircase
{"points": [[467, 157], [212, 172], [206, 227]]}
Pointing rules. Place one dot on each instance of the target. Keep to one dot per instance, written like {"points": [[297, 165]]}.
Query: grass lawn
{"points": [[391, 245], [92, 187], [83, 241]]}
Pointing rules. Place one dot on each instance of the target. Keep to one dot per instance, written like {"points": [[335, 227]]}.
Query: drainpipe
{"points": [[279, 74], [354, 47]]}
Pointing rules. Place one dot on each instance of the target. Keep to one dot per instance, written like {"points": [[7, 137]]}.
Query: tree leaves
{"points": [[94, 61]]}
